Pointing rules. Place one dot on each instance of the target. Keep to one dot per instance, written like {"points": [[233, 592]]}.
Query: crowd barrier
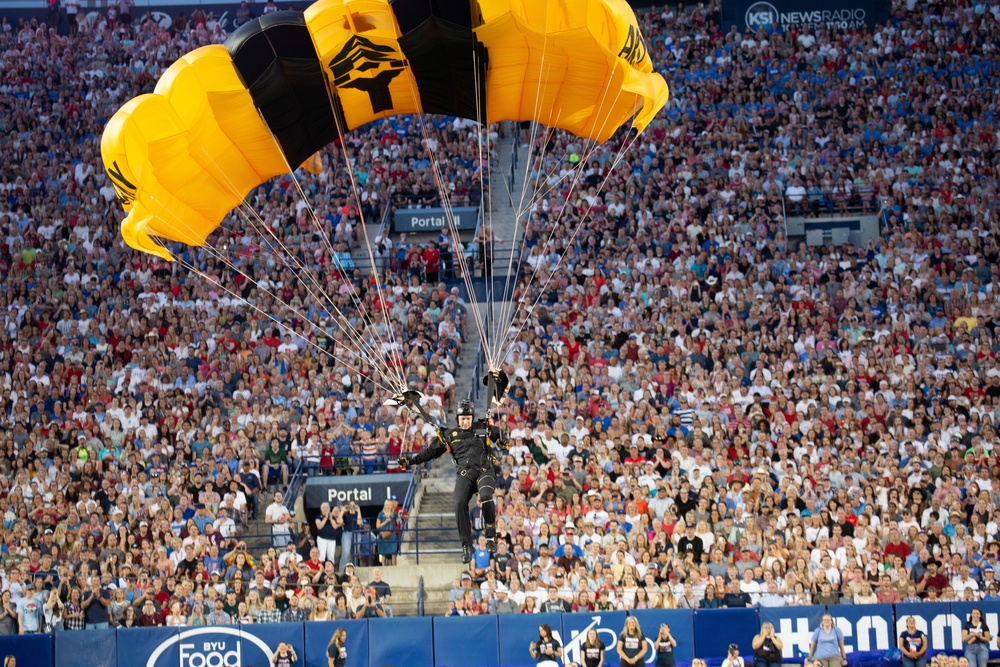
{"points": [[484, 641]]}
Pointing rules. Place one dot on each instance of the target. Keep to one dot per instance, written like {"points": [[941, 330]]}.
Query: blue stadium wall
{"points": [[484, 641]]}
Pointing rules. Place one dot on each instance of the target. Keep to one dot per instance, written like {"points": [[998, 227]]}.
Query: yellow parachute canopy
{"points": [[224, 119]]}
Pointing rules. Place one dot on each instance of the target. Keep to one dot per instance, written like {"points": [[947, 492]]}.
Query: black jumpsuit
{"points": [[475, 471]]}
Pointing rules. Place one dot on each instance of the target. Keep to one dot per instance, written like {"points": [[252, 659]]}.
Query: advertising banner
{"points": [[156, 647], [434, 219], [401, 642], [519, 630], [319, 634], [466, 641], [681, 624], [866, 627], [28, 649], [96, 648], [794, 625], [944, 630], [365, 490], [741, 625], [269, 635], [813, 14], [608, 625]]}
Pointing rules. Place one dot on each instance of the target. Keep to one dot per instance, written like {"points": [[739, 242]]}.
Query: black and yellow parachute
{"points": [[225, 118]]}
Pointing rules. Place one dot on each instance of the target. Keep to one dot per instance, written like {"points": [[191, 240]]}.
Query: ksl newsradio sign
{"points": [[365, 490], [813, 14], [435, 219]]}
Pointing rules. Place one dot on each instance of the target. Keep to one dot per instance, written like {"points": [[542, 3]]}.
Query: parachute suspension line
{"points": [[457, 250], [395, 345], [555, 225], [486, 204], [233, 267], [625, 147], [289, 330], [391, 349], [510, 307], [363, 346]]}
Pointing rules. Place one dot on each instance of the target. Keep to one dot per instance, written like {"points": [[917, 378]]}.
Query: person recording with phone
{"points": [[371, 607], [284, 655], [664, 647], [733, 658], [767, 647]]}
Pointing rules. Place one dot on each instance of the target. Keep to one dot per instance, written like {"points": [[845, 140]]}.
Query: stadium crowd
{"points": [[708, 414], [148, 410], [702, 414]]}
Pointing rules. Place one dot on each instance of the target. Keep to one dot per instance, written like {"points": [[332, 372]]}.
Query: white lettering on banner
{"points": [[764, 14], [355, 494], [795, 636], [878, 625], [225, 649], [212, 654], [945, 631]]}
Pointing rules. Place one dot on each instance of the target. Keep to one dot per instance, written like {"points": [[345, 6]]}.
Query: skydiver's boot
{"points": [[466, 553], [491, 539]]}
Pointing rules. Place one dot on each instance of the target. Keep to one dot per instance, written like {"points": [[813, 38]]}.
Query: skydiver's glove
{"points": [[500, 383], [504, 444], [409, 397], [404, 462]]}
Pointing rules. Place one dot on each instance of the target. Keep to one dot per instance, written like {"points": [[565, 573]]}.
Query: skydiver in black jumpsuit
{"points": [[470, 444]]}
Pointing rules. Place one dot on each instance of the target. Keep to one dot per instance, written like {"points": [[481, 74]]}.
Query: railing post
{"points": [[420, 596]]}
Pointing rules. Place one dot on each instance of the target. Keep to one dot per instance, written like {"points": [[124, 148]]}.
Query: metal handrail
{"points": [[295, 483], [418, 538]]}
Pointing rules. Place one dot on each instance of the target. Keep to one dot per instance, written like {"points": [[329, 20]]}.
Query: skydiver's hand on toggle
{"points": [[404, 462], [408, 398]]}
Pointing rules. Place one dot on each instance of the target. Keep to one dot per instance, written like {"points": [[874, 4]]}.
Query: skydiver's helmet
{"points": [[465, 409]]}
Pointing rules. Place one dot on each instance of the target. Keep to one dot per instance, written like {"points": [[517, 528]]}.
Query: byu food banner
{"points": [[208, 646]]}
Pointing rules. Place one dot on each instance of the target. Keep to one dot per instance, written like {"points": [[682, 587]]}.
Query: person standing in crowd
{"points": [[546, 649], [351, 517], [631, 643], [328, 525], [278, 517], [664, 647], [385, 529], [827, 644], [913, 645], [767, 647], [976, 637], [336, 652]]}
